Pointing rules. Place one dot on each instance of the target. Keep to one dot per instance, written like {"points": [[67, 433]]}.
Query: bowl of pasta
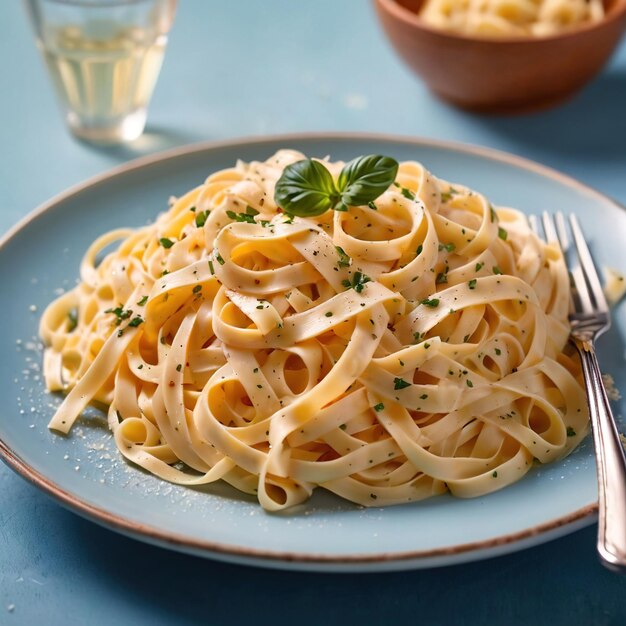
{"points": [[504, 55]]}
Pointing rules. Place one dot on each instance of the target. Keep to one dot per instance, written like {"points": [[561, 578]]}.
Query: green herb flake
{"points": [[201, 218], [448, 247], [432, 302], [469, 383], [478, 267], [372, 206], [495, 474], [379, 407], [571, 432], [342, 426], [424, 396], [143, 301], [496, 270], [179, 367], [498, 351], [72, 320], [344, 259], [358, 282], [135, 322], [472, 283], [166, 243], [219, 259], [419, 250], [120, 314], [241, 217], [503, 234], [400, 383], [328, 314], [407, 193], [197, 289]]}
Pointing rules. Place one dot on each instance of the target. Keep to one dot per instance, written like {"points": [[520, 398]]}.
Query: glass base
{"points": [[108, 132]]}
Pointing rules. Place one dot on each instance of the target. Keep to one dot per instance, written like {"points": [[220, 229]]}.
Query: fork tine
{"points": [[588, 266], [561, 230], [534, 224], [548, 227], [556, 233], [581, 291]]}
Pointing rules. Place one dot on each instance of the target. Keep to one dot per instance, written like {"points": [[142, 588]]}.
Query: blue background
{"points": [[241, 68]]}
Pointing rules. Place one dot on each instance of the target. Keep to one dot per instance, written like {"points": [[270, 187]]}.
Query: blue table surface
{"points": [[244, 68]]}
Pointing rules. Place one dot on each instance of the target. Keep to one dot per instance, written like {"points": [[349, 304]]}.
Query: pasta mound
{"points": [[511, 18], [386, 353]]}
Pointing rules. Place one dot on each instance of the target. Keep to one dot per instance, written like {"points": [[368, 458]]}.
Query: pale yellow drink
{"points": [[104, 84], [104, 58]]}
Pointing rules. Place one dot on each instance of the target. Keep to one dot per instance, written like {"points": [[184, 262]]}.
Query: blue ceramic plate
{"points": [[85, 472]]}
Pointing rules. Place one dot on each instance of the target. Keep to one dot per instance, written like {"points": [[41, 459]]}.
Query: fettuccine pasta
{"points": [[386, 353], [505, 18]]}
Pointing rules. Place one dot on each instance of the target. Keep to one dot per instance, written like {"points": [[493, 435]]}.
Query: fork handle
{"points": [[611, 464]]}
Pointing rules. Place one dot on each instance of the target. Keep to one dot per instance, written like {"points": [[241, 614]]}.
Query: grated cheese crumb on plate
{"points": [[612, 392]]}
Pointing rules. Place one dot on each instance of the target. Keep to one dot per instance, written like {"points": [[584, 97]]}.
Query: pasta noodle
{"points": [[386, 353], [505, 18]]}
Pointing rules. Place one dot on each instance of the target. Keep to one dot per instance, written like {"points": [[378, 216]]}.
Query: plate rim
{"points": [[443, 555]]}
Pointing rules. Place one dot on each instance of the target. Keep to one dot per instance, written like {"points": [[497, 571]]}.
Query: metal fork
{"points": [[589, 318]]}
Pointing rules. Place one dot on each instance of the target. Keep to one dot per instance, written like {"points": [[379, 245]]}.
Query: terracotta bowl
{"points": [[501, 75]]}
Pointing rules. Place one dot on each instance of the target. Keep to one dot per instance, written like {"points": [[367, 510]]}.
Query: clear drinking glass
{"points": [[104, 57]]}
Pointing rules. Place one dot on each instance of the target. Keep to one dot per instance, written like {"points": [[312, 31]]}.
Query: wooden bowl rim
{"points": [[616, 11]]}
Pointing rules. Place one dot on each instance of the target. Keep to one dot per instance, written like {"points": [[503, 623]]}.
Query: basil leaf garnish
{"points": [[365, 178], [306, 188]]}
